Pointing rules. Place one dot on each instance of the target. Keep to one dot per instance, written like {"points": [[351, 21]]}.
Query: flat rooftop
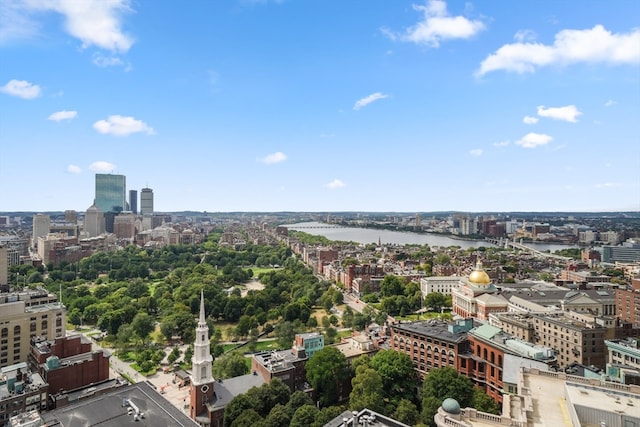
{"points": [[107, 410]]}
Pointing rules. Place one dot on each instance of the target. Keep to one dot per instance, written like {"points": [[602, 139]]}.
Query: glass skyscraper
{"points": [[111, 192]]}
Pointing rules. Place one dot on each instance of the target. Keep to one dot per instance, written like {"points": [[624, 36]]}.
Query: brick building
{"points": [[68, 363], [432, 344], [628, 303]]}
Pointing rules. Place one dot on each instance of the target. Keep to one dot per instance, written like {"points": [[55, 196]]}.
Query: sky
{"points": [[332, 105]]}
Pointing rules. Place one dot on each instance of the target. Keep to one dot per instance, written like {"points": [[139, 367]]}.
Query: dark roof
{"points": [[433, 329], [225, 390], [108, 410]]}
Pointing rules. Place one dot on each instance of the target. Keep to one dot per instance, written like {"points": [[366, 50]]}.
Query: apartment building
{"points": [[25, 315], [628, 303], [432, 343]]}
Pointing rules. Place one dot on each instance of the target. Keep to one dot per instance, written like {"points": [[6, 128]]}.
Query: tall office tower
{"points": [[111, 193], [94, 222], [41, 227], [133, 201], [146, 201]]}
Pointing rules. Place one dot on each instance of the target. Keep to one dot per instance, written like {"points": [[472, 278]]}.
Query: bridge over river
{"points": [[506, 243]]}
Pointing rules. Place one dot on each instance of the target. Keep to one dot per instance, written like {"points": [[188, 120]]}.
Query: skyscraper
{"points": [[133, 201], [41, 227], [111, 193], [146, 201]]}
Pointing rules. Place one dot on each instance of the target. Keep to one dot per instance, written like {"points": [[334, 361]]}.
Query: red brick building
{"points": [[432, 343], [628, 303], [69, 363]]}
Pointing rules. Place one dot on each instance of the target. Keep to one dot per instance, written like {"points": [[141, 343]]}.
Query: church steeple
{"points": [[201, 360]]}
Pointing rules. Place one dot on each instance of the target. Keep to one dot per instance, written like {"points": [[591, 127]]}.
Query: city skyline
{"points": [[278, 105]]}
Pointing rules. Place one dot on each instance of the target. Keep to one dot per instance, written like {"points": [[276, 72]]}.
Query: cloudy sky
{"points": [[322, 105]]}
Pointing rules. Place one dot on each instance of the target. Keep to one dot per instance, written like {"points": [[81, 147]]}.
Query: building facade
{"points": [[111, 193], [41, 226], [146, 201], [432, 344], [133, 201], [25, 315]]}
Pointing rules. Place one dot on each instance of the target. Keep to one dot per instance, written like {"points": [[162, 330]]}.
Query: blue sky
{"points": [[333, 105]]}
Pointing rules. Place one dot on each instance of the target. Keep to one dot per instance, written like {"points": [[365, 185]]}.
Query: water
{"points": [[370, 235]]}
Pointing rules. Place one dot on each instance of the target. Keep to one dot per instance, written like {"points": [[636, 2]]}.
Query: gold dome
{"points": [[479, 276]]}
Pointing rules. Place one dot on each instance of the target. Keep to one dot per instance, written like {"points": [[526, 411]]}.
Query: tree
{"points": [[406, 412], [230, 365], [278, 417], [324, 370], [142, 325], [440, 384], [304, 416], [248, 417], [285, 334], [235, 408], [75, 317], [297, 399], [391, 285], [483, 402], [397, 373], [367, 391], [436, 300], [174, 355]]}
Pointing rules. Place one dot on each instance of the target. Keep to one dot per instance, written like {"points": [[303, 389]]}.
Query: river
{"points": [[371, 235]]}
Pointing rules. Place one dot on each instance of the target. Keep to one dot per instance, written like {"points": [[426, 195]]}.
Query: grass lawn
{"points": [[259, 270]]}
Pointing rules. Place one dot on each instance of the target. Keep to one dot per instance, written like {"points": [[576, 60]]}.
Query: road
{"points": [[354, 302]]}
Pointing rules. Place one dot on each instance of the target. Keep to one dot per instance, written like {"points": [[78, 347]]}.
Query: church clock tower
{"points": [[202, 382]]}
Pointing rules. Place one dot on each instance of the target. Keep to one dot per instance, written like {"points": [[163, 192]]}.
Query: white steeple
{"points": [[201, 360]]}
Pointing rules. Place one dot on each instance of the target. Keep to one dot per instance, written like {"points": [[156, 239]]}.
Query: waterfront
{"points": [[370, 235]]}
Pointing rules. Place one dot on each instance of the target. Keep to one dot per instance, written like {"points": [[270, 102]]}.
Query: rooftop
{"points": [[225, 390], [113, 410], [431, 328]]}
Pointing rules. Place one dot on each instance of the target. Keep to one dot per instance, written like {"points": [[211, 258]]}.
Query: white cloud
{"points": [[121, 126], [94, 22], [74, 169], [336, 183], [476, 152], [501, 143], [106, 61], [21, 89], [272, 158], [533, 140], [436, 26], [595, 45], [610, 103], [363, 102], [529, 120], [62, 115], [525, 36], [102, 166], [568, 113]]}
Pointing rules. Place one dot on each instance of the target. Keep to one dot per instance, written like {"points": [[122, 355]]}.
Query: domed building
{"points": [[476, 296]]}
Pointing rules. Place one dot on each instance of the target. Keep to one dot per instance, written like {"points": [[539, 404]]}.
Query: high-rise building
{"points": [[133, 201], [41, 226], [94, 222], [146, 201], [111, 193]]}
